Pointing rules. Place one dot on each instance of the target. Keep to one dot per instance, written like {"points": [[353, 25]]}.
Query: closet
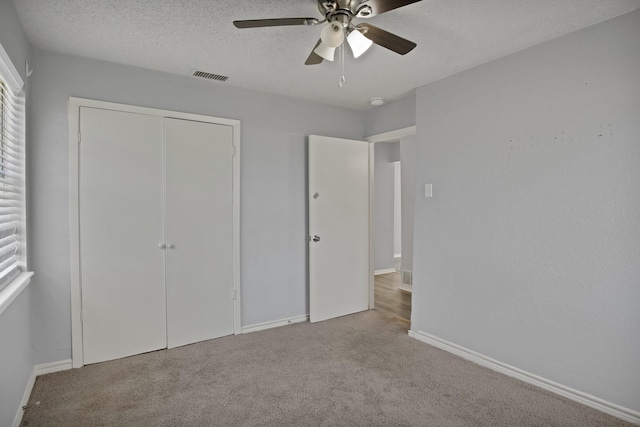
{"points": [[155, 232]]}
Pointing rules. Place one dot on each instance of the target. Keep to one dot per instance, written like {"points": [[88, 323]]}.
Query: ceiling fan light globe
{"points": [[358, 43], [326, 52], [332, 35]]}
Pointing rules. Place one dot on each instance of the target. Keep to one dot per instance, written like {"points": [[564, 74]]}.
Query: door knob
{"points": [[316, 238], [162, 245], [170, 246]]}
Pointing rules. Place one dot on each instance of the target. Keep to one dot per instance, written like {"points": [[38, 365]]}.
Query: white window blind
{"points": [[11, 181]]}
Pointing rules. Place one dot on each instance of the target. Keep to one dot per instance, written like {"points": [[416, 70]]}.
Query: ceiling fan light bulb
{"points": [[358, 43], [332, 35], [325, 51]]}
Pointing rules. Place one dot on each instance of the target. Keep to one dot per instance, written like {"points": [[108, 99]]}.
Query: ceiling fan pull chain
{"points": [[342, 78]]}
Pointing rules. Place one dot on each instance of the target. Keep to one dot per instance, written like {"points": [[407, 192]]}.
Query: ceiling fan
{"points": [[339, 15]]}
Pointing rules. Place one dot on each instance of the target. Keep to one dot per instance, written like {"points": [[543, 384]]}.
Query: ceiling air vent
{"points": [[211, 76]]}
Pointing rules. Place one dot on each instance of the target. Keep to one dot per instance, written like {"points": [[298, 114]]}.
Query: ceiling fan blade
{"points": [[386, 39], [256, 23], [314, 58], [382, 6]]}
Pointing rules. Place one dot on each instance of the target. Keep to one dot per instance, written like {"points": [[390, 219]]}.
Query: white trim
{"points": [[9, 71], [76, 103], [372, 229], [384, 271], [74, 204], [17, 420], [45, 368], [392, 135], [13, 289], [405, 288], [77, 356], [49, 368], [274, 324], [237, 317], [564, 391]]}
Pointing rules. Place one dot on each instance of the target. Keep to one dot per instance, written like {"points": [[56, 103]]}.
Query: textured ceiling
{"points": [[177, 36]]}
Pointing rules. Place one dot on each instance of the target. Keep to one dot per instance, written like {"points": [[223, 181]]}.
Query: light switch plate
{"points": [[428, 190]]}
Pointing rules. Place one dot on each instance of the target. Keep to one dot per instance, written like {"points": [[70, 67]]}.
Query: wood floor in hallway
{"points": [[389, 299]]}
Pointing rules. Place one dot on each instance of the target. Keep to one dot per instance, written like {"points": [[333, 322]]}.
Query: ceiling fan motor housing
{"points": [[343, 10]]}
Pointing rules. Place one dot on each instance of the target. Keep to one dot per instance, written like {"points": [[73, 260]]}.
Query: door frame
{"points": [[390, 136], [75, 104]]}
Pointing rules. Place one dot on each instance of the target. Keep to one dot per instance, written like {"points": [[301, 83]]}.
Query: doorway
{"points": [[393, 194]]}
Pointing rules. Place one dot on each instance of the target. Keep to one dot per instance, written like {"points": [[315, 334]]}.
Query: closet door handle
{"points": [[170, 246], [162, 245]]}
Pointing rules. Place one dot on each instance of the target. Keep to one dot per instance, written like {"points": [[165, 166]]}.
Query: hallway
{"points": [[389, 299]]}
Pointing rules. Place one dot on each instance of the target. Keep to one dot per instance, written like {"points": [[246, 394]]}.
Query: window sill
{"points": [[13, 289]]}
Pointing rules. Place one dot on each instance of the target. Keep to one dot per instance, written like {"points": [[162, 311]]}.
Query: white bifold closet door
{"points": [[121, 224], [199, 231], [156, 224]]}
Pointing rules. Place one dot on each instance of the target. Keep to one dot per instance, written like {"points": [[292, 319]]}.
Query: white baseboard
{"points": [[274, 324], [385, 271], [45, 368], [570, 393], [49, 368], [17, 420], [405, 288]]}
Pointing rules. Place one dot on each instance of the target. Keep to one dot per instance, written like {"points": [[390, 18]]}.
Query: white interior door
{"points": [[199, 178], [339, 217], [121, 224]]}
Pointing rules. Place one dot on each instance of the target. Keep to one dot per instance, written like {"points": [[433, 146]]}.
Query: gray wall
{"points": [[16, 350], [12, 37], [273, 181], [395, 115], [408, 171], [16, 355], [529, 250], [384, 154]]}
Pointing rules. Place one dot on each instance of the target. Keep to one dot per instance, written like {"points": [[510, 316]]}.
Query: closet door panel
{"points": [[121, 225], [199, 231]]}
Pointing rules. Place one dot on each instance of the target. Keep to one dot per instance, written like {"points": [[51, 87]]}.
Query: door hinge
{"points": [[79, 137], [233, 151], [233, 294]]}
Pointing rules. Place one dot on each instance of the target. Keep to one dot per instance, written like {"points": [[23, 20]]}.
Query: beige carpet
{"points": [[358, 370]]}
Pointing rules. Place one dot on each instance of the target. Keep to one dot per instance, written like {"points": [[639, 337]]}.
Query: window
{"points": [[11, 182]]}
